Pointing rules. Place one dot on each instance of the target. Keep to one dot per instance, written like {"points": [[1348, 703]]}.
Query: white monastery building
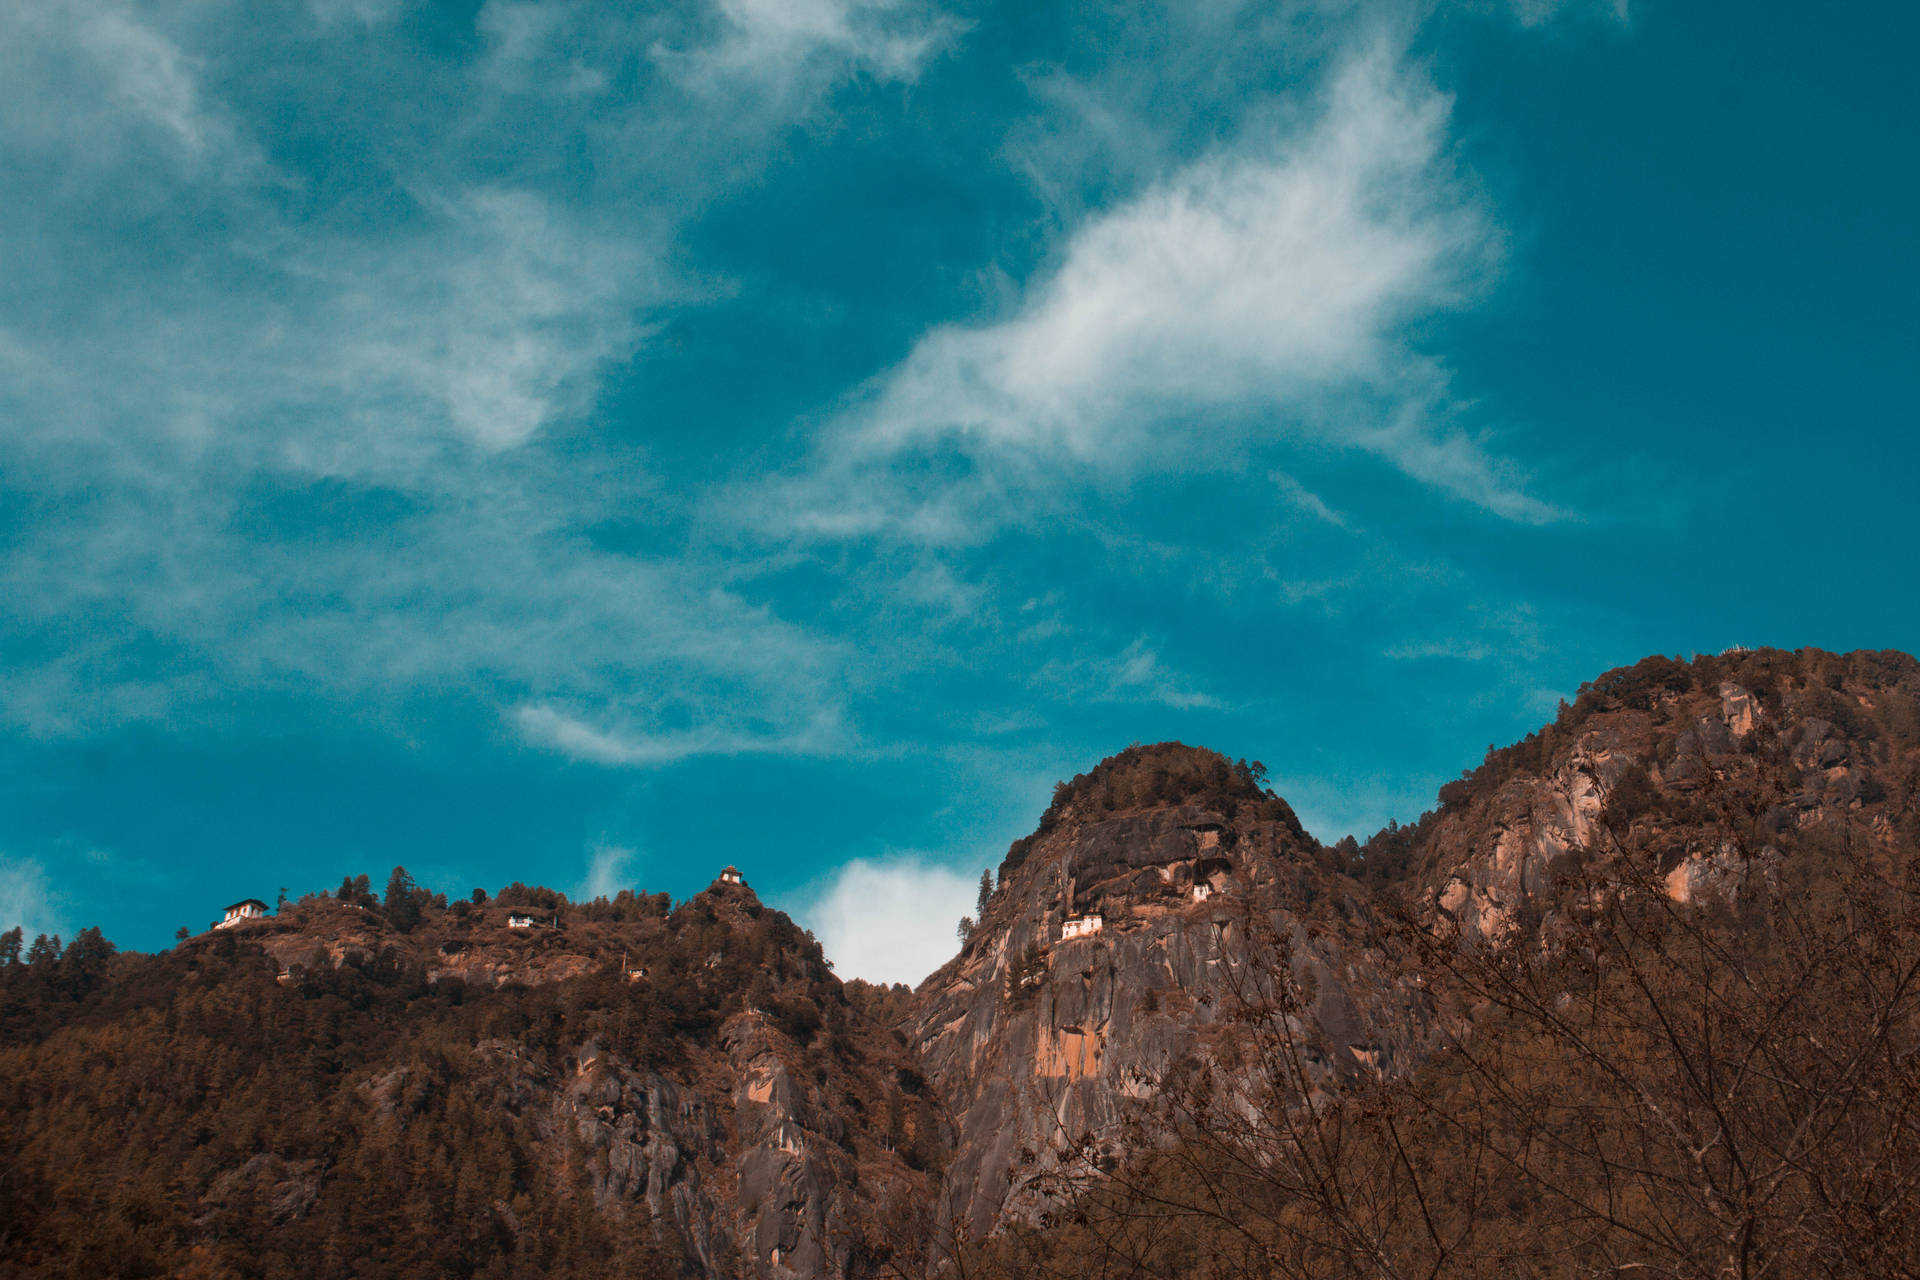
{"points": [[1081, 927], [240, 912]]}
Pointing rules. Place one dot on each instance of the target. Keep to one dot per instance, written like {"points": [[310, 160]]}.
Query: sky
{"points": [[590, 444]]}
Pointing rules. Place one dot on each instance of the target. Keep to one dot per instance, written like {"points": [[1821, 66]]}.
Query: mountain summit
{"points": [[1108, 953]]}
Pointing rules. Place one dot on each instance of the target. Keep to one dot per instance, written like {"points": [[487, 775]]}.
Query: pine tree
{"points": [[986, 895], [896, 1130], [402, 900], [10, 946]]}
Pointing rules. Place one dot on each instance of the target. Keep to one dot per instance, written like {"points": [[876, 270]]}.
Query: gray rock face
{"points": [[1496, 868], [796, 1175], [1042, 1046], [756, 1183], [644, 1139]]}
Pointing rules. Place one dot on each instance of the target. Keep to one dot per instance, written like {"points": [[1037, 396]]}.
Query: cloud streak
{"points": [[608, 872], [775, 41], [329, 439], [27, 899], [545, 726], [1259, 296]]}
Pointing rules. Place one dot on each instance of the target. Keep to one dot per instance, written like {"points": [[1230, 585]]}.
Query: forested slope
{"points": [[370, 1109]]}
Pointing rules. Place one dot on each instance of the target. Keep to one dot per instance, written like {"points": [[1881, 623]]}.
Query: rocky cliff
{"points": [[1704, 765], [636, 1088], [1117, 944], [1044, 1038]]}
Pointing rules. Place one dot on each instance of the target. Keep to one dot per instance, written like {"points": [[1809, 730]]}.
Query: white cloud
{"points": [[1513, 633], [27, 900], [607, 872], [788, 46], [1305, 499], [106, 90], [545, 726], [890, 919], [1533, 13], [149, 72], [390, 362], [494, 325], [1259, 293], [1135, 674], [366, 13]]}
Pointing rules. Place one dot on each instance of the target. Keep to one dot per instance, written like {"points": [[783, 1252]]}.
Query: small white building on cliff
{"points": [[1081, 927], [241, 912]]}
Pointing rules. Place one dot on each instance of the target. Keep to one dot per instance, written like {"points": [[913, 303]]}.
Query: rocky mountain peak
{"points": [[1206, 788], [1107, 955]]}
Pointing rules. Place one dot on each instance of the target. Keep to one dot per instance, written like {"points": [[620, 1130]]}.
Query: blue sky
{"points": [[556, 442]]}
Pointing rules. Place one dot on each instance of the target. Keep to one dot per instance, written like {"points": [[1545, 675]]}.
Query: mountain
{"points": [[1036, 1038], [416, 1088], [1640, 993]]}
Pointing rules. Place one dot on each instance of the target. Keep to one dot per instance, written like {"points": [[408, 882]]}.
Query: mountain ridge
{"points": [[687, 1089]]}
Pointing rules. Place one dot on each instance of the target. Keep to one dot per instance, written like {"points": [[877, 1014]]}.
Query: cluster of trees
{"points": [[913, 1124], [981, 900], [41, 984], [196, 1116], [406, 904]]}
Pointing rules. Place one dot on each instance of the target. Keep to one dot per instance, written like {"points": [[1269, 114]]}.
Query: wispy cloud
{"points": [[547, 727], [149, 73], [27, 898], [1306, 499], [498, 333], [608, 872], [1534, 13], [1257, 295], [788, 47], [1135, 674], [1512, 632], [328, 440]]}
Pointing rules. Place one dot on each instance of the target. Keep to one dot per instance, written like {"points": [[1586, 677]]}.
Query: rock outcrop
{"points": [[1703, 765], [1045, 1040]]}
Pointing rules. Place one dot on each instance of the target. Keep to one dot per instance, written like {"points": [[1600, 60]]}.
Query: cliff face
{"points": [[1043, 1043], [1703, 767]]}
